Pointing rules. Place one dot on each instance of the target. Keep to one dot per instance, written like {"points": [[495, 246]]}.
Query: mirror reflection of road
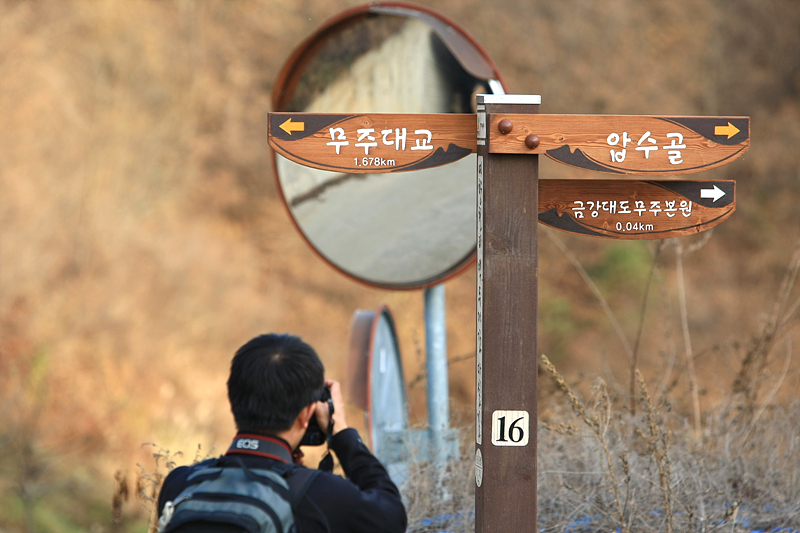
{"points": [[400, 229], [395, 228]]}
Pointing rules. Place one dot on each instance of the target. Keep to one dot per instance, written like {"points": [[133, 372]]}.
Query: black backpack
{"points": [[254, 500]]}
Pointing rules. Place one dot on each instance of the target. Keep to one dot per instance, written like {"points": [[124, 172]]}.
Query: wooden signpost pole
{"points": [[506, 328], [511, 135]]}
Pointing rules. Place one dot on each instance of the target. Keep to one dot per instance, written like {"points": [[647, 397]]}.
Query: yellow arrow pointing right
{"points": [[290, 126], [730, 130]]}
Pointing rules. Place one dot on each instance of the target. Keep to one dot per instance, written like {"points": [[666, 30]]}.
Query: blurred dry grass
{"points": [[624, 473], [142, 239]]}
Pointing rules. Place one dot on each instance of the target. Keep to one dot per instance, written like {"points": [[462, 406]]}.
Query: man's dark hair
{"points": [[273, 377]]}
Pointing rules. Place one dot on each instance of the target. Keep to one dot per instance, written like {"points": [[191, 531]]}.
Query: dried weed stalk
{"points": [[744, 477], [120, 496], [658, 445], [753, 369], [598, 421], [442, 499], [148, 484], [680, 252]]}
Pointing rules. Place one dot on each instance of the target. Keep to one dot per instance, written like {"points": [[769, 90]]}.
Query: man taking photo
{"points": [[274, 388]]}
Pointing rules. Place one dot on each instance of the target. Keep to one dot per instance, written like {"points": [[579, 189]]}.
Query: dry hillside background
{"points": [[142, 239]]}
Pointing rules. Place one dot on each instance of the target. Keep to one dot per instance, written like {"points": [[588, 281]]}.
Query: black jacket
{"points": [[367, 501]]}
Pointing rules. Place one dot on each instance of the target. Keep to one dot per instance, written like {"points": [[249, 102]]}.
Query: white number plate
{"points": [[510, 428]]}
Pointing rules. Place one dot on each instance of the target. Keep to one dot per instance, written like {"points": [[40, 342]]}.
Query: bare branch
{"points": [[595, 290]]}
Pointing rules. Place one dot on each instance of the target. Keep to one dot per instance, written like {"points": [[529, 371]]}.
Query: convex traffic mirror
{"points": [[396, 231]]}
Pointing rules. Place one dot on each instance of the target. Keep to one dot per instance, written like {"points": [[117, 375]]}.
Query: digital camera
{"points": [[315, 435]]}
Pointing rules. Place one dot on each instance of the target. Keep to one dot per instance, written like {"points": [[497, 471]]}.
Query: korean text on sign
{"points": [[368, 138], [670, 208], [646, 144]]}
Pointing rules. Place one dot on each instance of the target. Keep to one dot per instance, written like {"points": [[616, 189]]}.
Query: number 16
{"points": [[514, 433]]}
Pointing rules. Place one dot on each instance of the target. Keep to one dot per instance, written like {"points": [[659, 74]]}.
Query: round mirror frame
{"points": [[472, 57]]}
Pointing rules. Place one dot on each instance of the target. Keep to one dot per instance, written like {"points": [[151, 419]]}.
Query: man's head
{"points": [[273, 377]]}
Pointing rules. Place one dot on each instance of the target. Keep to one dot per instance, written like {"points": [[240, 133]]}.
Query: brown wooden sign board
{"points": [[620, 209], [372, 143], [618, 144], [625, 144]]}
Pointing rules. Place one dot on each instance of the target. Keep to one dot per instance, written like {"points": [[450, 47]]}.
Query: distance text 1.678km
{"points": [[373, 162]]}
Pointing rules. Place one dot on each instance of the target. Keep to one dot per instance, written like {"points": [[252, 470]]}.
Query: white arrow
{"points": [[715, 193]]}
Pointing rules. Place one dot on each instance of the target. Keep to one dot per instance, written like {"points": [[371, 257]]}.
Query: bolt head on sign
{"points": [[372, 143]]}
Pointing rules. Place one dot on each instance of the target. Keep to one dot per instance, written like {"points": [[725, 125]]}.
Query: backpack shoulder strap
{"points": [[299, 480]]}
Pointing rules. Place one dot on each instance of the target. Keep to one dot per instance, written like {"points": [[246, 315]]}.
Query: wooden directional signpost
{"points": [[510, 200], [635, 209], [372, 143], [620, 144]]}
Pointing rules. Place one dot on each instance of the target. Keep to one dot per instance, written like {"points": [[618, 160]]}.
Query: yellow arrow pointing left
{"points": [[290, 126], [730, 130]]}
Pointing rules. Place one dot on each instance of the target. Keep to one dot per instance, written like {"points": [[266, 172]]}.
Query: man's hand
{"points": [[339, 421]]}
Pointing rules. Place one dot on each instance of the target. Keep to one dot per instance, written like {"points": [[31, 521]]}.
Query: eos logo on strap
{"points": [[247, 444]]}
